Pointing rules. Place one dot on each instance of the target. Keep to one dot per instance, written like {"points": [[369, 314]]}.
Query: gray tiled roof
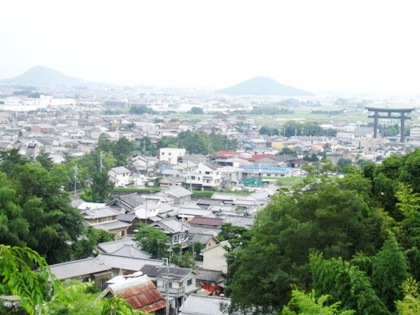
{"points": [[209, 275], [131, 251], [78, 268], [112, 246], [239, 221], [177, 191], [98, 213], [127, 263], [113, 225], [176, 273], [120, 170]]}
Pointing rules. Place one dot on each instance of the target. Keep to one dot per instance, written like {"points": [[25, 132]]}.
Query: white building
{"points": [[204, 176], [171, 155], [121, 176]]}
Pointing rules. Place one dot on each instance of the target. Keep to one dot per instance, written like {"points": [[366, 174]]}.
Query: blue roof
{"points": [[267, 169]]}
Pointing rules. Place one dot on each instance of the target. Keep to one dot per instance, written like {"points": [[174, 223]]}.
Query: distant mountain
{"points": [[263, 86], [44, 76]]}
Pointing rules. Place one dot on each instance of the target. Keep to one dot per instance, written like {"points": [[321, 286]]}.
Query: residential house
{"points": [[107, 219], [208, 222], [88, 269], [126, 247], [214, 258], [120, 176], [207, 240], [266, 171], [127, 203], [212, 281], [171, 155], [176, 230], [179, 194], [139, 292], [42, 128], [182, 281], [205, 176], [231, 176]]}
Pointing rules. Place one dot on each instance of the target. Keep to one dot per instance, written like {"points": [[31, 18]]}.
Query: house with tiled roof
{"points": [[120, 176], [139, 292], [207, 222], [179, 194], [107, 219], [182, 281], [176, 230], [127, 203]]}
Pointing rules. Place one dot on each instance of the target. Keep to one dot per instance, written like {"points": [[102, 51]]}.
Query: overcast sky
{"points": [[315, 45]]}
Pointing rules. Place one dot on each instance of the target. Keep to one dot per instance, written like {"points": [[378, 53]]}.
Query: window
{"points": [[189, 282]]}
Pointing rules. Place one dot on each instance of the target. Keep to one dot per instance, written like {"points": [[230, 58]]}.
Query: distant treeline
{"points": [[293, 128]]}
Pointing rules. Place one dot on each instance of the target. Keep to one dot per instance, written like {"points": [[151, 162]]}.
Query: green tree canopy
{"points": [[330, 215], [152, 240]]}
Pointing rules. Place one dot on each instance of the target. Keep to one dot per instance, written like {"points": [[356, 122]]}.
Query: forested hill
{"points": [[263, 86]]}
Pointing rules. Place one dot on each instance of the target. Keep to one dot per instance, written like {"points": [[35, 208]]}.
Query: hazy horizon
{"points": [[358, 47]]}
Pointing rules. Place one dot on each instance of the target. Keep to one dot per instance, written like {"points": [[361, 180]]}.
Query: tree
{"points": [[26, 274], [87, 244], [152, 240], [410, 304], [196, 111], [346, 284], [343, 163], [236, 235], [10, 159], [17, 265], [45, 160], [330, 215], [308, 304], [121, 150], [184, 260], [389, 270], [287, 151], [101, 188], [53, 223], [14, 229], [118, 306]]}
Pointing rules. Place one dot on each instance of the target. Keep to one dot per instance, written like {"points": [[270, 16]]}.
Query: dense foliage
{"points": [[293, 128], [354, 239]]}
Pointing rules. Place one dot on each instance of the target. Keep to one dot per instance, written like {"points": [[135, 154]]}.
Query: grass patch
{"points": [[290, 181]]}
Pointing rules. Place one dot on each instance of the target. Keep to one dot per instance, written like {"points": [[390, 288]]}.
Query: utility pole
{"points": [[75, 178], [167, 284], [101, 165]]}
